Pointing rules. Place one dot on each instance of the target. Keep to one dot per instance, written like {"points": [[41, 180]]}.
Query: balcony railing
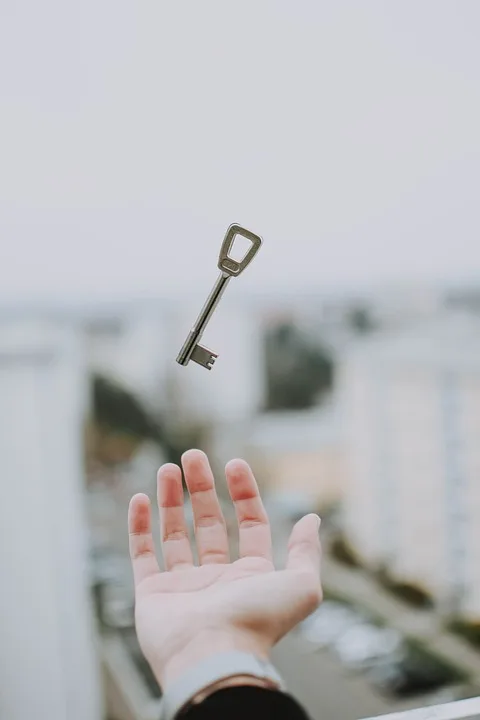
{"points": [[469, 708]]}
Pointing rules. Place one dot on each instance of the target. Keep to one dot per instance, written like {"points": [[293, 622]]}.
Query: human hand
{"points": [[187, 613]]}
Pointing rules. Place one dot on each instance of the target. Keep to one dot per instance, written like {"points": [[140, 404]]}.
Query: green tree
{"points": [[298, 371], [117, 409], [360, 319]]}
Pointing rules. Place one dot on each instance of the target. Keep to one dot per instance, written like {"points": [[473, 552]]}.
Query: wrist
{"points": [[204, 644], [217, 672]]}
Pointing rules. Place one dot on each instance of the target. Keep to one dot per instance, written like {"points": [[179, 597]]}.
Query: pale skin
{"points": [[187, 612]]}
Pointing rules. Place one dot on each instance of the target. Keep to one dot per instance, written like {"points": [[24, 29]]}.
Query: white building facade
{"points": [[48, 663], [412, 427]]}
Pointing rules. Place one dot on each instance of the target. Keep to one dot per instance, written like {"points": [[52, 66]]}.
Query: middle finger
{"points": [[210, 529]]}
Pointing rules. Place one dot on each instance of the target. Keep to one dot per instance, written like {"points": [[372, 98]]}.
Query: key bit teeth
{"points": [[204, 357], [211, 362]]}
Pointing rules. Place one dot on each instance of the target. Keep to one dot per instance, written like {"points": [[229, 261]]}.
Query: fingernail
{"points": [[319, 521]]}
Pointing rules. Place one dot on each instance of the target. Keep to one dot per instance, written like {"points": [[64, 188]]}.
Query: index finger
{"points": [[141, 545], [177, 551]]}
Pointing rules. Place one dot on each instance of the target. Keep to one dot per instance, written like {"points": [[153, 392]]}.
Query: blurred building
{"points": [[464, 298], [411, 404], [48, 664], [130, 343], [399, 307], [137, 344], [337, 320]]}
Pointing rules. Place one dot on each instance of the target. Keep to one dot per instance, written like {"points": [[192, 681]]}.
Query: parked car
{"points": [[328, 623], [412, 673], [363, 646], [111, 581]]}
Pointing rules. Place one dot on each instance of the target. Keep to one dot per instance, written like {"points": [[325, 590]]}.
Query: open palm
{"points": [[191, 611]]}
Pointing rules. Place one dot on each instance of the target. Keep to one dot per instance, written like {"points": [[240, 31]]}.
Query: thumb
{"points": [[282, 599], [304, 551]]}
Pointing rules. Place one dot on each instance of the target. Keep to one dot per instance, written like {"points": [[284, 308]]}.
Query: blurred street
{"points": [[325, 688]]}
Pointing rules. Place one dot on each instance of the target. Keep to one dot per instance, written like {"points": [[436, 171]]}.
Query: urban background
{"points": [[347, 135]]}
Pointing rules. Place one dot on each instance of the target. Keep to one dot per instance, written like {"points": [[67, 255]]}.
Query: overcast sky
{"points": [[133, 133]]}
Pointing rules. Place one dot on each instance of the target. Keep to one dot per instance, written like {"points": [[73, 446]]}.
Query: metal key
{"points": [[191, 349]]}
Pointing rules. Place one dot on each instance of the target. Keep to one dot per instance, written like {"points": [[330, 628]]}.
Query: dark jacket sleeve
{"points": [[246, 703]]}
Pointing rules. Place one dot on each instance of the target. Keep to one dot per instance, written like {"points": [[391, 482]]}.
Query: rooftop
{"points": [[448, 342]]}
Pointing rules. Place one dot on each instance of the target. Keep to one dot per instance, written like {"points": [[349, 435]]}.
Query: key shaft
{"points": [[195, 334]]}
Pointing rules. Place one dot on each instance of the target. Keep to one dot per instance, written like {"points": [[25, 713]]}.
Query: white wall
{"points": [[416, 477], [138, 354], [145, 352], [47, 656], [360, 507], [469, 431]]}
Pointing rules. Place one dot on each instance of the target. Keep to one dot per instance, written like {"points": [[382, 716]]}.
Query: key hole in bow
{"points": [[240, 246]]}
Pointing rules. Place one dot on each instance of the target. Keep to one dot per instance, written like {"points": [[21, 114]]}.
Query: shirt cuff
{"points": [[211, 671]]}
